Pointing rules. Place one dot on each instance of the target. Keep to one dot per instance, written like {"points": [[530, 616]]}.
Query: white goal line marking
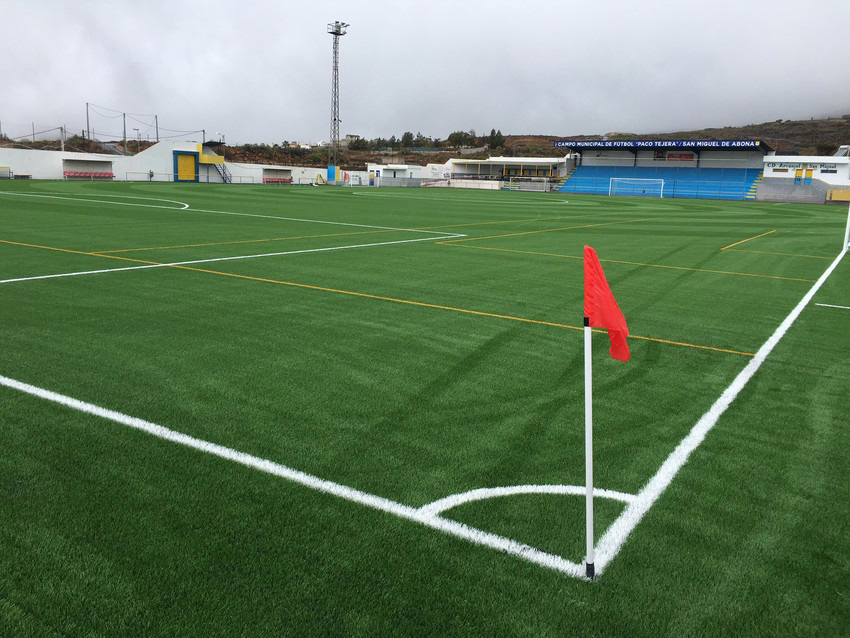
{"points": [[186, 207], [828, 305], [447, 526], [215, 259], [616, 535]]}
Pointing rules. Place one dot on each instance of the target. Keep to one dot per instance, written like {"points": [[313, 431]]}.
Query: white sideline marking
{"points": [[616, 535], [438, 507], [183, 205], [318, 221], [213, 259], [444, 525], [827, 305], [223, 212]]}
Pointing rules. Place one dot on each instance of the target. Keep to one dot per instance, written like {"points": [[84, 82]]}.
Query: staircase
{"points": [[564, 180], [751, 194], [109, 147], [226, 177]]}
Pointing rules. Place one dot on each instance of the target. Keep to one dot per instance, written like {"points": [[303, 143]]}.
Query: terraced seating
{"points": [[697, 183]]}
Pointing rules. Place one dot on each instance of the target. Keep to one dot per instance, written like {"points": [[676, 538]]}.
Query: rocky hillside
{"points": [[788, 137]]}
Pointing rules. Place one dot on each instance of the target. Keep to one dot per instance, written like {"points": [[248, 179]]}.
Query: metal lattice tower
{"points": [[336, 29]]}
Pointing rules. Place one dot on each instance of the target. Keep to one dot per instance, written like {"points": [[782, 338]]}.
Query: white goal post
{"points": [[636, 186]]}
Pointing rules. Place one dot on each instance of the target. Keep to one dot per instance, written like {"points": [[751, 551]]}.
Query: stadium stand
{"points": [[703, 183]]}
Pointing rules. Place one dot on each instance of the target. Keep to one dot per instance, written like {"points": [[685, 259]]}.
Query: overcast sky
{"points": [[260, 71]]}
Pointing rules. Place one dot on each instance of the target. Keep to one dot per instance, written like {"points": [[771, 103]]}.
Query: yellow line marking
{"points": [[765, 252], [748, 239], [62, 250], [422, 304], [239, 241], [479, 313], [506, 221], [631, 263], [549, 230], [366, 232]]}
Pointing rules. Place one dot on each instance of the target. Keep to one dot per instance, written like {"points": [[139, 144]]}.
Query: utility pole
{"points": [[138, 141], [156, 122], [88, 127], [62, 138], [33, 131], [124, 143], [336, 29]]}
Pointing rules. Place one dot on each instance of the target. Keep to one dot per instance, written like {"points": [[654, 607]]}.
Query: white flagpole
{"points": [[588, 448]]}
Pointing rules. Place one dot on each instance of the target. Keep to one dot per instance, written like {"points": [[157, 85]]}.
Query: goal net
{"points": [[636, 186]]}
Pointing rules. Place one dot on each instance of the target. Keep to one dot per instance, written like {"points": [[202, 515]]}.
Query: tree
{"points": [[459, 138], [407, 139], [495, 139], [359, 144]]}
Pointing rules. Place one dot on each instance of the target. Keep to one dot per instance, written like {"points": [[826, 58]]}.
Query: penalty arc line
{"points": [[617, 534], [434, 521], [187, 208]]}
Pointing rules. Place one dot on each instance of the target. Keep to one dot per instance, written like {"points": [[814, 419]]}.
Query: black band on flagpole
{"points": [[587, 321], [590, 570]]}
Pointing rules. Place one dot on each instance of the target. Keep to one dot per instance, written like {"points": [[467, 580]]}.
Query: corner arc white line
{"points": [[828, 305], [613, 539], [452, 528], [449, 502]]}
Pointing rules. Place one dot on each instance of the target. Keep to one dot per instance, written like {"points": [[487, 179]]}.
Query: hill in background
{"points": [[787, 137]]}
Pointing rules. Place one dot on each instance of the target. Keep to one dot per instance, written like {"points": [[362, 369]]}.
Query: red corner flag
{"points": [[600, 307]]}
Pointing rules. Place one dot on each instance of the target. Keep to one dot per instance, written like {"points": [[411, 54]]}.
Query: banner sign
{"points": [[784, 165], [635, 144], [682, 157]]}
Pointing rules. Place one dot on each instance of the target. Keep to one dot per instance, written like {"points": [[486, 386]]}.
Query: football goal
{"points": [[636, 186]]}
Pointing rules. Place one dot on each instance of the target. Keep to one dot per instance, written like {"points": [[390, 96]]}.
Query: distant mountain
{"points": [[802, 137]]}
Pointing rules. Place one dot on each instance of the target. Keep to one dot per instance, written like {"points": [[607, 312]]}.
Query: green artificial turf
{"points": [[414, 371]]}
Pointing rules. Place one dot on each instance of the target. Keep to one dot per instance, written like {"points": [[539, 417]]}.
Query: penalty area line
{"points": [[433, 521], [206, 261]]}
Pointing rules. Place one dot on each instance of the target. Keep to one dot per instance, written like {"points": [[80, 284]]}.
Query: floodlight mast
{"points": [[336, 29]]}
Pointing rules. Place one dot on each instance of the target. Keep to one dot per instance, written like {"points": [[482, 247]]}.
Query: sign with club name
{"points": [[641, 144], [828, 167]]}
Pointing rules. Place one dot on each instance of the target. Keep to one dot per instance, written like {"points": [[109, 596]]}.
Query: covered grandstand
{"points": [[706, 169]]}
